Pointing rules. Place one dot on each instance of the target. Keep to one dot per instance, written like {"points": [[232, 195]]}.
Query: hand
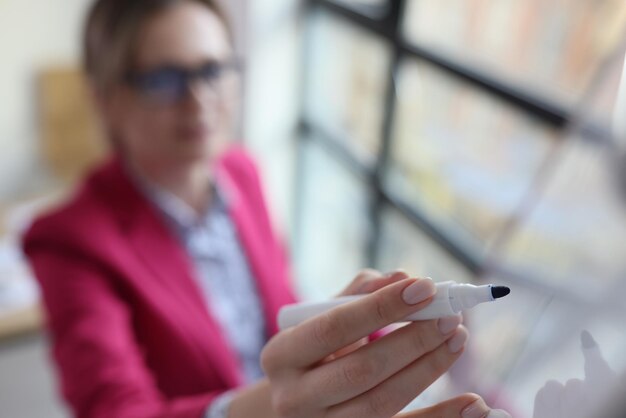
{"points": [[307, 379], [367, 281], [579, 398]]}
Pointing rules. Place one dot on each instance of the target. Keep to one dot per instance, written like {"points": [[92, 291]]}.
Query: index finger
{"points": [[322, 335], [598, 373]]}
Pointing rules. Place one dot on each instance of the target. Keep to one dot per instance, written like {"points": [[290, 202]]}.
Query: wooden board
{"points": [[71, 136]]}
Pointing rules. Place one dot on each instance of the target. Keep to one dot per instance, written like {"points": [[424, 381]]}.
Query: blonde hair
{"points": [[111, 30]]}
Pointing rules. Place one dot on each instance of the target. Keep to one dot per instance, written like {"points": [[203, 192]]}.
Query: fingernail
{"points": [[456, 343], [418, 291], [448, 324], [477, 409], [498, 413]]}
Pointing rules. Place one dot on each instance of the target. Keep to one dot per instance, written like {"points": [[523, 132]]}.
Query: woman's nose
{"points": [[202, 94]]}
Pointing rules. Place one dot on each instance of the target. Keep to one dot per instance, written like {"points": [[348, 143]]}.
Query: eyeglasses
{"points": [[170, 84]]}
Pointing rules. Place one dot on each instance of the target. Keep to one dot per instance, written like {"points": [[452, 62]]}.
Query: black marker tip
{"points": [[499, 291]]}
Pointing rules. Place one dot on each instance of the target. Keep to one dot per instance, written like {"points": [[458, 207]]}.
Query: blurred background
{"points": [[469, 140]]}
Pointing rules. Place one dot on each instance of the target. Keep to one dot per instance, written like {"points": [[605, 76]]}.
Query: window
{"points": [[550, 46], [465, 157], [374, 8], [403, 245], [333, 228], [346, 83], [457, 153]]}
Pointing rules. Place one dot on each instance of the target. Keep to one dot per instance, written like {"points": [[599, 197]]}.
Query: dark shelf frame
{"points": [[386, 24]]}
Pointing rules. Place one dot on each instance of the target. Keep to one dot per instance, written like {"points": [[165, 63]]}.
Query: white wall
{"points": [[33, 34]]}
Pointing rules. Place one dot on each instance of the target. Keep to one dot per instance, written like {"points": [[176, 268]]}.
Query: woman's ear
{"points": [[101, 100], [108, 110]]}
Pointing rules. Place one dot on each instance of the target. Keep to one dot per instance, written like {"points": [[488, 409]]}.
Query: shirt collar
{"points": [[173, 207]]}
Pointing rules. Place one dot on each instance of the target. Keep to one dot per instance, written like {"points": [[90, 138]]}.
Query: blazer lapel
{"points": [[254, 245], [164, 256]]}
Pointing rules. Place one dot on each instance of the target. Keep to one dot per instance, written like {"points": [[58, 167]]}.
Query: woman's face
{"points": [[177, 107]]}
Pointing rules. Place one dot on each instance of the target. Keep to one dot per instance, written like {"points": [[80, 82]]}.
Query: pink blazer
{"points": [[130, 330]]}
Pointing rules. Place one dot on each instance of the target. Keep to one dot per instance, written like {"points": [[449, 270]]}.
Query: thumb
{"points": [[468, 405]]}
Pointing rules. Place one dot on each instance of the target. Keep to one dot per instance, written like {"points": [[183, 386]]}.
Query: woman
{"points": [[162, 276]]}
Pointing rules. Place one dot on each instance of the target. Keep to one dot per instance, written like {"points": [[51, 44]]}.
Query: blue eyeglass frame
{"points": [[171, 83]]}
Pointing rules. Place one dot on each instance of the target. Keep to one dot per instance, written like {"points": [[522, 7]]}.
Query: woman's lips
{"points": [[194, 132]]}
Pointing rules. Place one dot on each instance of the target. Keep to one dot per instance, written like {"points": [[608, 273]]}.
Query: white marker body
{"points": [[449, 300]]}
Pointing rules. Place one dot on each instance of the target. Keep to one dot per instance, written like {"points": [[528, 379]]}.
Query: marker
{"points": [[449, 300]]}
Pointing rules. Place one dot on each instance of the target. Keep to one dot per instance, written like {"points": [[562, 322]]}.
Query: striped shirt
{"points": [[222, 271]]}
